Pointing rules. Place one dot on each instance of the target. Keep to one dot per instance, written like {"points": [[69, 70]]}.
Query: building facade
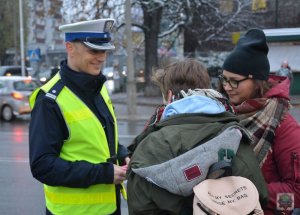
{"points": [[44, 37]]}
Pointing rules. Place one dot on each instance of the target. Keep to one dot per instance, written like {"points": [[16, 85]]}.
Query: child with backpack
{"points": [[193, 137]]}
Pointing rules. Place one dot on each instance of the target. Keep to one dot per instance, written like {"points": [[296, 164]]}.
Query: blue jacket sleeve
{"points": [[47, 132]]}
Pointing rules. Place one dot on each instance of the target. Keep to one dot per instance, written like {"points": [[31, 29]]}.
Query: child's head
{"points": [[181, 75]]}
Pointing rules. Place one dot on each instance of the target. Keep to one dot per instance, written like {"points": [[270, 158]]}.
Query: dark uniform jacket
{"points": [[48, 131]]}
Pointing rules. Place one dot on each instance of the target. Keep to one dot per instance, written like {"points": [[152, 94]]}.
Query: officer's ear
{"points": [[70, 47]]}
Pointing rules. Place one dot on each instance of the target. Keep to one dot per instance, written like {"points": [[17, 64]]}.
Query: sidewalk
{"points": [[141, 100], [121, 98], [146, 106], [295, 100]]}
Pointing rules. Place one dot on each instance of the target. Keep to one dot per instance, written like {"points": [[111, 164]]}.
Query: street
{"points": [[20, 193]]}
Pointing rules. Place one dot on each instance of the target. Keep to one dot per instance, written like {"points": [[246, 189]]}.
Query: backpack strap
{"points": [[219, 169]]}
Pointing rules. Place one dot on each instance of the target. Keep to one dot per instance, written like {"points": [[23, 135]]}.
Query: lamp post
{"points": [[131, 87], [22, 37], [276, 13]]}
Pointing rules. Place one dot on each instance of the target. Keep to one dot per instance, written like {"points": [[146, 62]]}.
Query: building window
{"points": [[259, 5]]}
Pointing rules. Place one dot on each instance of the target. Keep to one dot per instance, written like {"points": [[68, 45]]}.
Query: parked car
{"points": [[115, 80], [12, 71], [14, 96], [112, 76], [44, 76]]}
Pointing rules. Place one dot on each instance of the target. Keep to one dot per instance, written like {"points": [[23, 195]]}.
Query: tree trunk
{"points": [[152, 22], [190, 43]]}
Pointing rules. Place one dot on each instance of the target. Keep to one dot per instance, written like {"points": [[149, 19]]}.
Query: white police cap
{"points": [[94, 34]]}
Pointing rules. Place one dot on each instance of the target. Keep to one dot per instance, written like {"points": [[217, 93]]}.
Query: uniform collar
{"points": [[82, 81]]}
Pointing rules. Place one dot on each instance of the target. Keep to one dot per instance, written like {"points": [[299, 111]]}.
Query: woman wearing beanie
{"points": [[262, 104]]}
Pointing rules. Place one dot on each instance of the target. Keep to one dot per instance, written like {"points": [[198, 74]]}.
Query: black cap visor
{"points": [[97, 43], [99, 46]]}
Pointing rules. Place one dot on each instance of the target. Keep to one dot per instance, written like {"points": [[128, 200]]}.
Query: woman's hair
{"points": [[182, 75], [262, 88]]}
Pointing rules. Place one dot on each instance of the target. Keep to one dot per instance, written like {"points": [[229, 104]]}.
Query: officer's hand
{"points": [[119, 174], [127, 160]]}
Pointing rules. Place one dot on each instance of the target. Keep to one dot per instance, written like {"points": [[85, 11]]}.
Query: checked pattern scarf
{"points": [[261, 117], [213, 94]]}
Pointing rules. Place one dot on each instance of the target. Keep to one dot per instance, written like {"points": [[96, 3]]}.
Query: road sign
{"points": [[34, 54]]}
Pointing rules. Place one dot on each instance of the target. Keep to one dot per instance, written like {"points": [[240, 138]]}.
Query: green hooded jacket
{"points": [[172, 137]]}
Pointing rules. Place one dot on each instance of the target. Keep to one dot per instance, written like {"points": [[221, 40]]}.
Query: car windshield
{"points": [[26, 85], [13, 71]]}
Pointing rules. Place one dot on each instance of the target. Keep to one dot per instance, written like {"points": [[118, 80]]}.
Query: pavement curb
{"points": [[158, 101], [137, 118], [154, 104]]}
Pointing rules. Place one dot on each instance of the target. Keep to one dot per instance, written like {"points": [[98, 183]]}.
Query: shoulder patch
{"points": [[55, 90]]}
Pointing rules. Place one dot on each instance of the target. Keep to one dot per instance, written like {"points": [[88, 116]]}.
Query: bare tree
{"points": [[210, 25], [91, 9], [151, 26], [10, 28], [202, 22], [7, 32]]}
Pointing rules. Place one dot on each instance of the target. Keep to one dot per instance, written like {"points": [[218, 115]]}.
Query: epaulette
{"points": [[55, 90]]}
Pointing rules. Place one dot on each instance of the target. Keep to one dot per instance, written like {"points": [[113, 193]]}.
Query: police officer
{"points": [[73, 141]]}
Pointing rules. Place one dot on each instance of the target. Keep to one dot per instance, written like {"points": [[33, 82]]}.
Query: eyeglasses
{"points": [[233, 83]]}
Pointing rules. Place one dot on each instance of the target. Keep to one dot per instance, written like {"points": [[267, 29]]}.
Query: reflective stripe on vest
{"points": [[79, 198], [87, 141]]}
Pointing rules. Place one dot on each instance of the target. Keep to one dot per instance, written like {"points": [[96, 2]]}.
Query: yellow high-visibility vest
{"points": [[87, 141]]}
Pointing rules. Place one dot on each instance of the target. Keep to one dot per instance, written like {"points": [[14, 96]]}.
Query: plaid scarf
{"points": [[261, 117], [210, 93], [213, 94]]}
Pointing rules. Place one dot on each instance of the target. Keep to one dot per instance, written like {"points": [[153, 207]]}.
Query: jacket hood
{"points": [[180, 174], [194, 104], [178, 134], [280, 87]]}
